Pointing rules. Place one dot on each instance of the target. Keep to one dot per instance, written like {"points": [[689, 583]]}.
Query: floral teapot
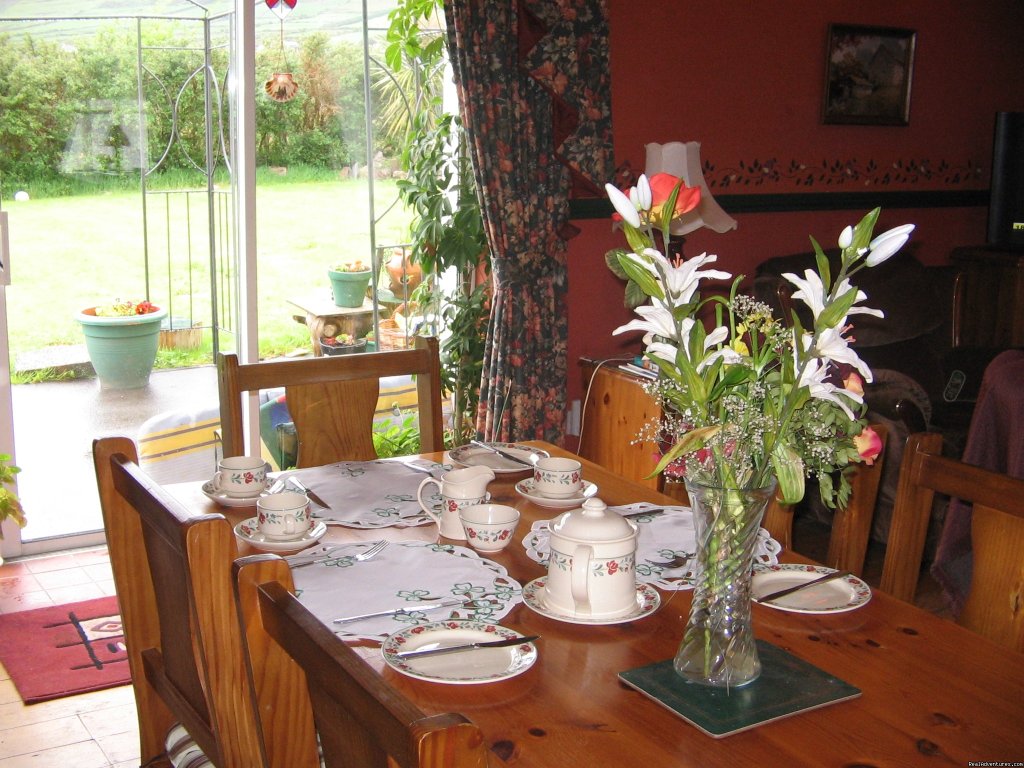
{"points": [[592, 563]]}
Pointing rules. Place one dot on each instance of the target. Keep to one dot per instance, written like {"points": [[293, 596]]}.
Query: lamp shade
{"points": [[682, 159]]}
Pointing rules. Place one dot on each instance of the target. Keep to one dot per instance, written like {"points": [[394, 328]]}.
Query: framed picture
{"points": [[868, 74]]}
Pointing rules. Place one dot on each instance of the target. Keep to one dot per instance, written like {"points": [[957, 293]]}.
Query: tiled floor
{"points": [[92, 730]]}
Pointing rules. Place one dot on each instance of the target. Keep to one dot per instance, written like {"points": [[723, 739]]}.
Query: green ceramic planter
{"points": [[122, 349], [349, 288]]}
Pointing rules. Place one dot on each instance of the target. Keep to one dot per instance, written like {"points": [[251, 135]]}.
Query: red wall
{"points": [[745, 80]]}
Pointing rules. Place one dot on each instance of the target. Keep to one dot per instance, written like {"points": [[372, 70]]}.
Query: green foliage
{"points": [[10, 505], [439, 189], [393, 440]]}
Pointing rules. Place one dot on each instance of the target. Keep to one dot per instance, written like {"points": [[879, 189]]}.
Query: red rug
{"points": [[65, 649]]}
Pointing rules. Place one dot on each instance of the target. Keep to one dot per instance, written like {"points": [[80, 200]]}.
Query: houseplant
{"points": [[752, 403], [122, 340], [342, 344], [10, 504], [349, 283]]}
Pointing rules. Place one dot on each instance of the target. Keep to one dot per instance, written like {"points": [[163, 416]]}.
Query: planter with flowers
{"points": [[122, 339], [349, 283], [342, 344], [751, 404]]}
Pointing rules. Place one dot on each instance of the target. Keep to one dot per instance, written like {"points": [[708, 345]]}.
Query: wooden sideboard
{"points": [[615, 410], [991, 306]]}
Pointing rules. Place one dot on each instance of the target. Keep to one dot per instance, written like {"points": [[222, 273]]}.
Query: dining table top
{"points": [[932, 692]]}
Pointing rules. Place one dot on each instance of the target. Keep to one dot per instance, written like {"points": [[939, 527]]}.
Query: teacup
{"points": [[241, 476], [284, 515], [557, 477], [489, 527]]}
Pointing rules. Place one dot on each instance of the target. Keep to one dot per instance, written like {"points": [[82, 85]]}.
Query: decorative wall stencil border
{"points": [[836, 176], [598, 208], [838, 172]]}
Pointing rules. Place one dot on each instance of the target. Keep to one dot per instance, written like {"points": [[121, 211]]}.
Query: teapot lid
{"points": [[593, 522]]}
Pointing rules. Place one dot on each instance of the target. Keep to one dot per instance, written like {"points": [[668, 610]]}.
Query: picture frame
{"points": [[868, 73]]}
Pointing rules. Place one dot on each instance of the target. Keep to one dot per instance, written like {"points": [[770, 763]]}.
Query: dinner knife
{"points": [[312, 496], [446, 603], [503, 454], [790, 590], [509, 641]]}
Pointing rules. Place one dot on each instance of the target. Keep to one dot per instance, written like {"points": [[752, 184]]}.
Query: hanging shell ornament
{"points": [[281, 87]]}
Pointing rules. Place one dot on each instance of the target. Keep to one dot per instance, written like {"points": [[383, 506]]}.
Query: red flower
{"points": [[869, 445], [612, 567]]}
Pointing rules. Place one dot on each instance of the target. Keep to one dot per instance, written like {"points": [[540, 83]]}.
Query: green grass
{"points": [[69, 253]]}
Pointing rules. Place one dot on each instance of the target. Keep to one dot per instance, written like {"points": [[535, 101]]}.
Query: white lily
{"points": [[887, 243], [831, 345], [843, 288], [813, 377], [656, 319], [811, 290], [623, 206]]}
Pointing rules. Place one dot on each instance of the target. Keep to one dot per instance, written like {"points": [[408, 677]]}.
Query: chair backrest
{"points": [[993, 606], [172, 572], [360, 718], [851, 525], [332, 399]]}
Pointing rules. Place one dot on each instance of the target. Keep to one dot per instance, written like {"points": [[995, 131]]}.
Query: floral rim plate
{"points": [[836, 596], [474, 456], [249, 532], [229, 501], [484, 665], [527, 489], [647, 602]]}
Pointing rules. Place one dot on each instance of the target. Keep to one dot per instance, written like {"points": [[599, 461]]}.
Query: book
{"points": [[787, 686]]}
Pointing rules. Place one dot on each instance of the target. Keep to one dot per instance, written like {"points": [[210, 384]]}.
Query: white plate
{"points": [[528, 489], [834, 596], [647, 602], [249, 532], [474, 456], [229, 501], [484, 665]]}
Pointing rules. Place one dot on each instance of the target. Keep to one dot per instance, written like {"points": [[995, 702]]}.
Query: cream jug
{"points": [[459, 488], [592, 563]]}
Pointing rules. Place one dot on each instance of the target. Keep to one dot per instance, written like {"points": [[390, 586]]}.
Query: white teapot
{"points": [[592, 563]]}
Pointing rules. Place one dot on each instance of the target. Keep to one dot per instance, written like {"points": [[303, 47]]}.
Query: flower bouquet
{"points": [[752, 402]]}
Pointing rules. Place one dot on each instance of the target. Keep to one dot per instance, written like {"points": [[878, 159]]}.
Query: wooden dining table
{"points": [[932, 693]]}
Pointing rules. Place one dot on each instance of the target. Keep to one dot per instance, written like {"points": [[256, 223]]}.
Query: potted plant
{"points": [[10, 505], [349, 283], [122, 340], [342, 344]]}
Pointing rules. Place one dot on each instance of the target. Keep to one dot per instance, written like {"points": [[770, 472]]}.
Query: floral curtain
{"points": [[533, 86]]}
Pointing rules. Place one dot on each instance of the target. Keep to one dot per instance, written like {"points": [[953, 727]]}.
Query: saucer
{"points": [[528, 489], [249, 532], [226, 500], [647, 602], [481, 666]]}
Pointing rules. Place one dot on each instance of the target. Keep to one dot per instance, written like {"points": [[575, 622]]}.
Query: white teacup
{"points": [[557, 477], [241, 476], [489, 527], [284, 515]]}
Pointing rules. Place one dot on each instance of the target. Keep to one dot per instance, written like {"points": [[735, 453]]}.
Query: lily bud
{"points": [[887, 243], [643, 193], [846, 238], [622, 205]]}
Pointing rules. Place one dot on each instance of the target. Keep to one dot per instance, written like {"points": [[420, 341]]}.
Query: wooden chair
{"points": [[172, 572], [332, 399], [995, 604], [851, 525], [361, 719]]}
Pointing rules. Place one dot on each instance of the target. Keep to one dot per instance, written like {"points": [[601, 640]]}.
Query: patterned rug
{"points": [[64, 649]]}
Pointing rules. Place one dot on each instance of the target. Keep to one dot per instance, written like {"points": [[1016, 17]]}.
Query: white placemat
{"points": [[660, 538], [371, 494], [405, 573]]}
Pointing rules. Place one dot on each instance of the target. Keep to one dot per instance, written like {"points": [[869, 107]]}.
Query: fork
{"points": [[320, 557], [678, 561]]}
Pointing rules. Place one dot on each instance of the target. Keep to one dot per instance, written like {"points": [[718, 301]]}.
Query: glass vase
{"points": [[718, 647]]}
